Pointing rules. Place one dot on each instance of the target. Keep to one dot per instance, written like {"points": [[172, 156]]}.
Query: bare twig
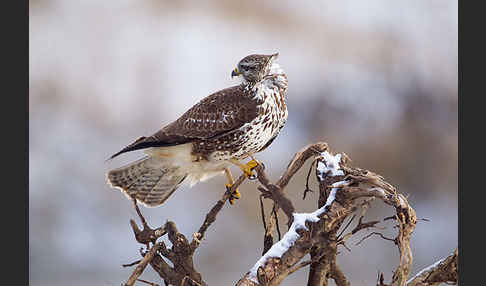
{"points": [[375, 233], [131, 264], [148, 282], [141, 266], [148, 234], [347, 225], [275, 213], [262, 208], [307, 189]]}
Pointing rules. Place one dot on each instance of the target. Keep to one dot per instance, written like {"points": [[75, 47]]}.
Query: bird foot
{"points": [[234, 195], [248, 169]]}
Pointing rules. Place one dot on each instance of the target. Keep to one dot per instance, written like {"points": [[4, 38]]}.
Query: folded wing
{"points": [[216, 115]]}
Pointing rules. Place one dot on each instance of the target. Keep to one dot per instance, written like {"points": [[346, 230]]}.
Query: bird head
{"points": [[254, 68]]}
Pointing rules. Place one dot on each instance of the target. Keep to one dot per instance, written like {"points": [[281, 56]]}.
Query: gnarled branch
{"points": [[343, 190]]}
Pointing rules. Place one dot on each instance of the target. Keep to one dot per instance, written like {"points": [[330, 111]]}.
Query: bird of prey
{"points": [[225, 127]]}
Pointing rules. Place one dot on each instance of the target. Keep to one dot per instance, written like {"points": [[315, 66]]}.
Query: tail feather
{"points": [[150, 180]]}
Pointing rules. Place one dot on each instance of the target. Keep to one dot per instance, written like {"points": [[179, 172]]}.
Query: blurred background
{"points": [[375, 79]]}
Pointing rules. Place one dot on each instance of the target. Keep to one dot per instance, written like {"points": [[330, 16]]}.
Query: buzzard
{"points": [[222, 129]]}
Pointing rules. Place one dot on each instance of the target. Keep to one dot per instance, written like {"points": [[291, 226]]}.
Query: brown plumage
{"points": [[215, 115], [230, 124]]}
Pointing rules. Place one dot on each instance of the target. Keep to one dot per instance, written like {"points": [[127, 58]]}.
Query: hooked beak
{"points": [[235, 72]]}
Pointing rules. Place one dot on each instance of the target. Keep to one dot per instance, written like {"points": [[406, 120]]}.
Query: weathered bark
{"points": [[340, 195], [443, 271]]}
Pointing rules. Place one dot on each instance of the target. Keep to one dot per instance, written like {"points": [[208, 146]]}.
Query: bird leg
{"points": [[236, 194], [247, 168]]}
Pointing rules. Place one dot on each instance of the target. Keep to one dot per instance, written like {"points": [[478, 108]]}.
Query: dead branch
{"points": [[148, 234], [132, 264], [141, 266], [443, 271], [148, 282], [343, 190], [375, 233], [320, 238]]}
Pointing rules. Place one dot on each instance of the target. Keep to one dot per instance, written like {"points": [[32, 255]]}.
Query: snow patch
{"points": [[330, 164], [282, 246]]}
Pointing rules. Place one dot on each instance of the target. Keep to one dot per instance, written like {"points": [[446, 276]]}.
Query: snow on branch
{"points": [[442, 271], [342, 191], [329, 165], [282, 246]]}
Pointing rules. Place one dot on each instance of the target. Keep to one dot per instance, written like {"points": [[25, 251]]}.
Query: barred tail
{"points": [[150, 180]]}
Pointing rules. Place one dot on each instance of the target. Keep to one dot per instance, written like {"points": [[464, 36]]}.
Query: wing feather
{"points": [[216, 115]]}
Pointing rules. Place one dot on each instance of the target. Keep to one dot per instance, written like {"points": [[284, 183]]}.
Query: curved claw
{"points": [[249, 167], [234, 195]]}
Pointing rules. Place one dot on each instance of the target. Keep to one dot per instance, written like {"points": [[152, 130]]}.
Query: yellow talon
{"points": [[248, 168], [248, 172], [251, 165], [235, 195]]}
